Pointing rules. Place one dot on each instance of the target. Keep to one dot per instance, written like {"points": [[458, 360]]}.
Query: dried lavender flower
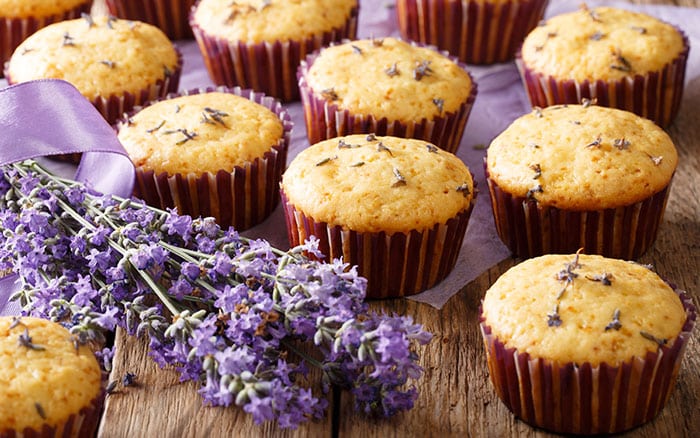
{"points": [[615, 323]]}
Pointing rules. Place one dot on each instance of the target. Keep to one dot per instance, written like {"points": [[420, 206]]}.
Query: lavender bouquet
{"points": [[223, 310]]}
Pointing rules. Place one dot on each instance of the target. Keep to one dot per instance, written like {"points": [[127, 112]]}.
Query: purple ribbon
{"points": [[50, 117]]}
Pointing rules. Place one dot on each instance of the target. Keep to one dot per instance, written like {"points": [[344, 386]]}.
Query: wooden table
{"points": [[455, 394]]}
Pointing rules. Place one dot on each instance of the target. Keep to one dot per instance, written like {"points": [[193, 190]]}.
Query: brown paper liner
{"points": [[582, 398], [171, 16], [240, 197], [269, 67], [395, 265], [15, 30], [529, 229], [326, 120], [476, 32], [656, 95]]}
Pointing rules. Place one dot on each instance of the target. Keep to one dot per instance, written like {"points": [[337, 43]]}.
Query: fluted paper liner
{"points": [[269, 67], [530, 229], [14, 30], [476, 32], [582, 398], [395, 265], [656, 95], [171, 16], [240, 197], [324, 119]]}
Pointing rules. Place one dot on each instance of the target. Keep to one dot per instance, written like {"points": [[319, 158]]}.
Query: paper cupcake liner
{"points": [[395, 265], [475, 31], [15, 30], [240, 197], [529, 229], [326, 120], [582, 398], [269, 67], [171, 16], [656, 95]]}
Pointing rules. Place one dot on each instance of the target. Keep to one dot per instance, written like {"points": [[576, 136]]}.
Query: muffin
{"points": [[48, 387], [21, 18], [258, 44], [623, 59], [387, 87], [476, 31], [397, 208], [210, 152], [116, 64], [584, 344], [580, 176], [171, 16]]}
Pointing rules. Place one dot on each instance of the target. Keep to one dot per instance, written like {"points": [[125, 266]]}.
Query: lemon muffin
{"points": [[48, 387], [580, 176], [171, 16], [476, 31], [116, 64], [397, 208], [21, 18], [210, 152], [387, 87], [623, 59], [258, 44], [584, 344]]}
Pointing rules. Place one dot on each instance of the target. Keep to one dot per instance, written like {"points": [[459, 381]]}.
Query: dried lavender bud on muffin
{"points": [[397, 208], [574, 176], [624, 59], [594, 344], [388, 87], [258, 44], [47, 382], [116, 64]]}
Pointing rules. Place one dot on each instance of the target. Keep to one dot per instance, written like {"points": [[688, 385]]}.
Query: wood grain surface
{"points": [[455, 395]]}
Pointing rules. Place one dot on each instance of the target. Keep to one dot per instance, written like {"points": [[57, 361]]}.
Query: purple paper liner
{"points": [[326, 120], [269, 67], [656, 95], [395, 265], [15, 30], [476, 32], [171, 16], [240, 197], [582, 398], [530, 229]]}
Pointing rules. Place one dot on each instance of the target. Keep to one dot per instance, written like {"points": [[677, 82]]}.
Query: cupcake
{"points": [[623, 59], [210, 152], [21, 18], [476, 31], [386, 87], [171, 16], [580, 176], [258, 44], [580, 344], [397, 208], [116, 64], [48, 387]]}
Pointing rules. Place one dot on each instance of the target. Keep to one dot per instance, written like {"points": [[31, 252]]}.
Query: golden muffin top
{"points": [[36, 8]]}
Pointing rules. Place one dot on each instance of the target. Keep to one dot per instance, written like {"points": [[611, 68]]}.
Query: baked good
{"points": [[210, 152], [171, 16], [397, 208], [584, 344], [476, 31], [386, 87], [622, 59], [580, 176], [48, 387], [258, 44], [116, 64], [21, 18]]}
